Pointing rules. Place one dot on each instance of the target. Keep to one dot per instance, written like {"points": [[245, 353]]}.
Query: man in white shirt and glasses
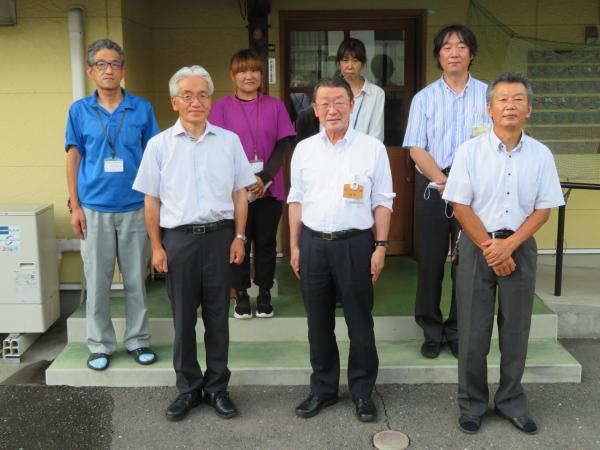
{"points": [[502, 186], [194, 176], [341, 186]]}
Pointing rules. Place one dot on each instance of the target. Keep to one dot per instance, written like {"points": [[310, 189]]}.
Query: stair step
{"points": [[565, 117], [582, 102], [295, 328], [565, 86], [564, 71], [287, 363], [588, 133], [564, 56]]}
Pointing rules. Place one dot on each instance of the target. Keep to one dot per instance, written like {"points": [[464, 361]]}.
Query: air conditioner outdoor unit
{"points": [[29, 298]]}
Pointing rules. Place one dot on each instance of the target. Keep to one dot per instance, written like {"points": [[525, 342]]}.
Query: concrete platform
{"points": [[295, 329], [287, 363]]}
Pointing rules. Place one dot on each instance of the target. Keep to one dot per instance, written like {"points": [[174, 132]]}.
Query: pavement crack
{"points": [[385, 412]]}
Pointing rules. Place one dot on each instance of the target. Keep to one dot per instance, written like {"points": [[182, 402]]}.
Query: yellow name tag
{"points": [[354, 191]]}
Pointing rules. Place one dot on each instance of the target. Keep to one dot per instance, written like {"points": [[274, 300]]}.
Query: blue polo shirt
{"points": [[110, 191]]}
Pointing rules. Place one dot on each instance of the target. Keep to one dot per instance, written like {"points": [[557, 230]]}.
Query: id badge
{"points": [[257, 165], [354, 191], [113, 165]]}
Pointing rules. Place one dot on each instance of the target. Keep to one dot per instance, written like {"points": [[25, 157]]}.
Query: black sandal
{"points": [[95, 356], [143, 351]]}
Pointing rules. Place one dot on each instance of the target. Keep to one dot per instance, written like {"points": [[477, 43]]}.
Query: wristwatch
{"points": [[381, 243], [242, 237]]}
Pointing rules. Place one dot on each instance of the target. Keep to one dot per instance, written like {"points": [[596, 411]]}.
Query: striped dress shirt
{"points": [[441, 120]]}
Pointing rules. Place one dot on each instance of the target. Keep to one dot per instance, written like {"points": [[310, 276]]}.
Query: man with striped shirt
{"points": [[443, 115]]}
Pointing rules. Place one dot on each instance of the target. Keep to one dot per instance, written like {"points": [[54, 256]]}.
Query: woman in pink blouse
{"points": [[265, 130]]}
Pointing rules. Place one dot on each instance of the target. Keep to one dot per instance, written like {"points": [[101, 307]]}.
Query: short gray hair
{"points": [[186, 72], [509, 77], [102, 44], [333, 82]]}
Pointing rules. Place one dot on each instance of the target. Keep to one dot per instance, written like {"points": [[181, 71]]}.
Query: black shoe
{"points": [[242, 308], [263, 304], [182, 405], [431, 349], [313, 404], [469, 424], [365, 410], [223, 405], [453, 347], [522, 423]]}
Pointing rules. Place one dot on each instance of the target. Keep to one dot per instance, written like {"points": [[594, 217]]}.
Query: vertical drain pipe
{"points": [[76, 16]]}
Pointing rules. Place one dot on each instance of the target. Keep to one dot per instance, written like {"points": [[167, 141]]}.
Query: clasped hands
{"points": [[498, 255]]}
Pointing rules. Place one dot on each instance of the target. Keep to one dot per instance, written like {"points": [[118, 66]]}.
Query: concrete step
{"points": [[287, 363], [589, 87], [390, 328], [567, 102], [565, 117], [559, 147], [564, 71], [565, 132]]}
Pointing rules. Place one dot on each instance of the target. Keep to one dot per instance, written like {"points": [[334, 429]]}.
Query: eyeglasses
{"points": [[189, 98], [102, 65], [338, 106]]}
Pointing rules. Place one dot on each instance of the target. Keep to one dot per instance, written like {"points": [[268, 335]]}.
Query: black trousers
{"points": [[476, 286], [199, 276], [345, 265], [261, 231], [435, 233]]}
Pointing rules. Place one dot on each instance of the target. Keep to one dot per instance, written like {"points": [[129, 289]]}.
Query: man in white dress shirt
{"points": [[502, 186], [194, 176], [341, 186]]}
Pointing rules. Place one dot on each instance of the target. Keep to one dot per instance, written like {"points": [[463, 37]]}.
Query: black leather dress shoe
{"points": [[431, 349], [223, 405], [365, 410], [182, 405], [469, 424], [453, 347], [313, 404], [522, 423]]}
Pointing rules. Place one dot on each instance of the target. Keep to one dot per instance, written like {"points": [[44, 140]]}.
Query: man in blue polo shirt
{"points": [[105, 139]]}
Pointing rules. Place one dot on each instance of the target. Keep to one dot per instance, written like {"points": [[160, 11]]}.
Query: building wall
{"points": [[159, 37]]}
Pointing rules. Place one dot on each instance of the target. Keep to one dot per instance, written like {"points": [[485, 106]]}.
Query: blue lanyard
{"points": [[358, 112]]}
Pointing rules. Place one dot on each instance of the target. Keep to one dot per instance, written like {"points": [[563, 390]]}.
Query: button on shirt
{"points": [[503, 188], [194, 178], [109, 191], [367, 115], [440, 119], [319, 171]]}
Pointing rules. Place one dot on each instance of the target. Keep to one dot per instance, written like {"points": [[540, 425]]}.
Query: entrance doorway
{"points": [[395, 61]]}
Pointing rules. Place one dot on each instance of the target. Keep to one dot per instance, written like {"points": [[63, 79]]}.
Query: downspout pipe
{"points": [[76, 23]]}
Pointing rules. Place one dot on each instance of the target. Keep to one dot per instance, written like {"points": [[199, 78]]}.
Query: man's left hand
{"points": [[237, 252], [497, 251], [377, 262]]}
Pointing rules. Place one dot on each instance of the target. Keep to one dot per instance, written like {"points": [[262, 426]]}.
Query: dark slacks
{"points": [[199, 276], [261, 232], [434, 235], [345, 265], [476, 286]]}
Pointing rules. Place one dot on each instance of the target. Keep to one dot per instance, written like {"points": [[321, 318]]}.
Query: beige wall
{"points": [[159, 37]]}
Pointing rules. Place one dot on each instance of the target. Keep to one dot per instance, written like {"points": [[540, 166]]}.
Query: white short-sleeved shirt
{"points": [[194, 178], [368, 113], [320, 170], [503, 188], [440, 119]]}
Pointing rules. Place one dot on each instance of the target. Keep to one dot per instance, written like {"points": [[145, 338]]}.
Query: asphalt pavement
{"points": [[35, 416]]}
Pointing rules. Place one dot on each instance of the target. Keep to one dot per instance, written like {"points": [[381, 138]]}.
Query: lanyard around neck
{"points": [[359, 109], [105, 131], [252, 131]]}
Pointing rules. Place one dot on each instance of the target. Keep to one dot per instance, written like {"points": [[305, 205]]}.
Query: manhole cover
{"points": [[391, 440]]}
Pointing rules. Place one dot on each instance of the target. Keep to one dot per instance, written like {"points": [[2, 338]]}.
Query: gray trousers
{"points": [[120, 236], [476, 286]]}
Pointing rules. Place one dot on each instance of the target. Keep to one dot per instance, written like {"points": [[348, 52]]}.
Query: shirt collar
{"points": [[500, 147], [126, 103], [347, 139], [367, 88], [444, 85], [178, 129]]}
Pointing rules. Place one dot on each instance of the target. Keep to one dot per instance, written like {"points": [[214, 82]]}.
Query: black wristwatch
{"points": [[382, 243]]}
